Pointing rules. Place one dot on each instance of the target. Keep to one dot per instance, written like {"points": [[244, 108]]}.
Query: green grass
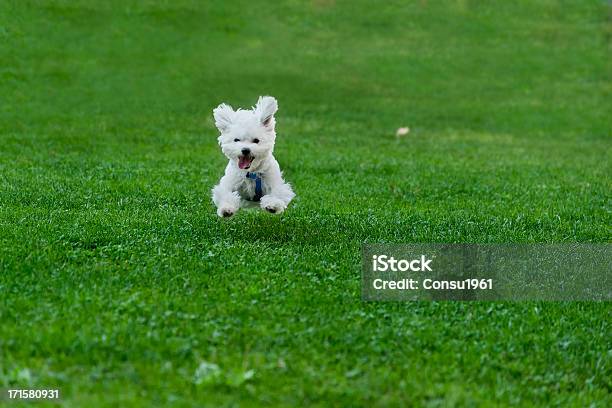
{"points": [[120, 286]]}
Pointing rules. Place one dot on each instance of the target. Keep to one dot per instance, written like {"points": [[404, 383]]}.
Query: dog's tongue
{"points": [[244, 162]]}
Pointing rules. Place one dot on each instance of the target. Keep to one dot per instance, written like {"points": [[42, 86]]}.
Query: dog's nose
{"points": [[246, 151]]}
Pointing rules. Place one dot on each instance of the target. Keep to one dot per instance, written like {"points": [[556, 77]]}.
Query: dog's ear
{"points": [[266, 108], [224, 115]]}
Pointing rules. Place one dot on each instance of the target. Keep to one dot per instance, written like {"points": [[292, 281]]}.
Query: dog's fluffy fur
{"points": [[247, 139]]}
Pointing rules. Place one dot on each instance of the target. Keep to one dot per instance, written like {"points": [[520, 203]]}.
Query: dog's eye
{"points": [[236, 140], [255, 140]]}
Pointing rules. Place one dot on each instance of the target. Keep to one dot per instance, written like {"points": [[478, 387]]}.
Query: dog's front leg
{"points": [[225, 198], [278, 199]]}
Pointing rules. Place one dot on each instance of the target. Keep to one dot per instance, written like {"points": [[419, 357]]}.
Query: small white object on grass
{"points": [[403, 131]]}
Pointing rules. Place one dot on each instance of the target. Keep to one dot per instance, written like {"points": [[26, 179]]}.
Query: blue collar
{"points": [[258, 189]]}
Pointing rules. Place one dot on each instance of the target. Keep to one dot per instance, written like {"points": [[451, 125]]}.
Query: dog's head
{"points": [[247, 136]]}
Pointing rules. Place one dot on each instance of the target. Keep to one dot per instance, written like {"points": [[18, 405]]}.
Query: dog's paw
{"points": [[272, 205], [226, 212], [274, 210]]}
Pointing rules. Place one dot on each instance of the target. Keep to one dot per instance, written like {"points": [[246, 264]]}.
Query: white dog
{"points": [[252, 174]]}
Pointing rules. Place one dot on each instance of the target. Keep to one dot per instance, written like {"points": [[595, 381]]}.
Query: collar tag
{"points": [[258, 185]]}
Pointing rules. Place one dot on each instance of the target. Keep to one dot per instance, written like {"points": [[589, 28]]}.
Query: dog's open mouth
{"points": [[244, 162]]}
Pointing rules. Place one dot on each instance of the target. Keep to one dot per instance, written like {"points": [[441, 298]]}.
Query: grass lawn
{"points": [[120, 286]]}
